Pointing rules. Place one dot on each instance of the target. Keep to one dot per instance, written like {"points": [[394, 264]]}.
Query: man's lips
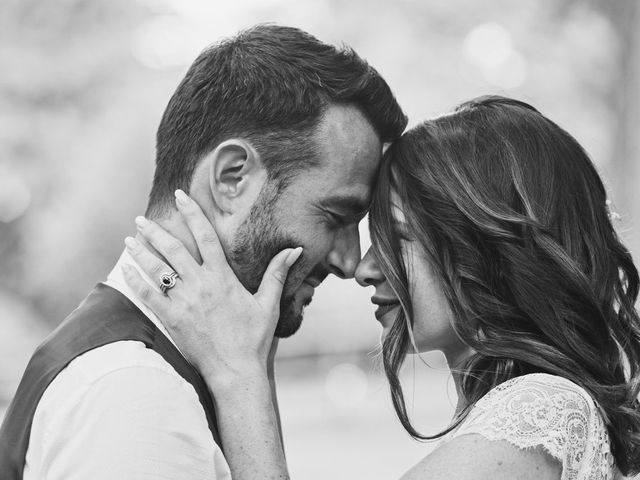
{"points": [[313, 282], [308, 286]]}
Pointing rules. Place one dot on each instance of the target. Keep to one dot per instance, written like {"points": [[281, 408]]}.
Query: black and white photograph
{"points": [[319, 239]]}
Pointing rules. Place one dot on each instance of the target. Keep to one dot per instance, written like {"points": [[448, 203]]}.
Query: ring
{"points": [[168, 281]]}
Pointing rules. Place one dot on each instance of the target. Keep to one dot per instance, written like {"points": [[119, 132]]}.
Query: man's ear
{"points": [[236, 175]]}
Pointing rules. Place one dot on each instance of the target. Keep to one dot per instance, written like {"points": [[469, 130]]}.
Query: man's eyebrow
{"points": [[350, 204]]}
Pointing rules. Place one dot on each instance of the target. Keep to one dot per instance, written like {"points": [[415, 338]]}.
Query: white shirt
{"points": [[122, 412]]}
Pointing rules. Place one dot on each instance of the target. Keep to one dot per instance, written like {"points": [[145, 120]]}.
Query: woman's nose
{"points": [[368, 272]]}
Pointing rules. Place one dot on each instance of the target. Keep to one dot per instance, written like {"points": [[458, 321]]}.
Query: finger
{"points": [[147, 261], [203, 231], [172, 249], [153, 299], [270, 290], [273, 350]]}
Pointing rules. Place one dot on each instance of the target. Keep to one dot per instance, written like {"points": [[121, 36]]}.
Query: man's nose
{"points": [[368, 272], [345, 255]]}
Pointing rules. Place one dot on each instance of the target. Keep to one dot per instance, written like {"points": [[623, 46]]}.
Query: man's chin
{"points": [[291, 314], [287, 328]]}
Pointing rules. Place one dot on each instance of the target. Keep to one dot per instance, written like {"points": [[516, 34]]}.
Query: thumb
{"points": [[270, 291]]}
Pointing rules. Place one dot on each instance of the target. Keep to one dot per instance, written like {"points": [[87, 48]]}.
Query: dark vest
{"points": [[104, 317]]}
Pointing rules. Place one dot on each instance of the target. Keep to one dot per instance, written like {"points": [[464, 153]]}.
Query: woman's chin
{"points": [[386, 317]]}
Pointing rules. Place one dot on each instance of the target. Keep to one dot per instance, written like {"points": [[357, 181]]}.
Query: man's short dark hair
{"points": [[271, 85]]}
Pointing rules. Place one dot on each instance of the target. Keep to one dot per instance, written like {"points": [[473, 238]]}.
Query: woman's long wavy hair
{"points": [[512, 216]]}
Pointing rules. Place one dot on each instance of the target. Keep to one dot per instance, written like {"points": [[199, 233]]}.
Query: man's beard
{"points": [[257, 241]]}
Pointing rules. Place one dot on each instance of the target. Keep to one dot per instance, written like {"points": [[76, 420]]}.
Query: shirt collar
{"points": [[116, 280]]}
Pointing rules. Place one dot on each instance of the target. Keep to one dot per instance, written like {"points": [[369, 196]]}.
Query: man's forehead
{"points": [[348, 144], [349, 153]]}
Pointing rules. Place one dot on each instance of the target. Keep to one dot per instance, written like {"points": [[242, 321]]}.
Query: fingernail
{"points": [[142, 222], [131, 242], [293, 256], [181, 197]]}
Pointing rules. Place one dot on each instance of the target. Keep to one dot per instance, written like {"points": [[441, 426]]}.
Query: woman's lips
{"points": [[383, 309]]}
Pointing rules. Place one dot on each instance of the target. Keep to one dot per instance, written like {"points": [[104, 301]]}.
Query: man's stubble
{"points": [[256, 242]]}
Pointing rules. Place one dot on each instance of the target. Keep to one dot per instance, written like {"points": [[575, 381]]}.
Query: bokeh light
{"points": [[346, 385], [164, 41], [15, 196], [84, 89], [489, 47]]}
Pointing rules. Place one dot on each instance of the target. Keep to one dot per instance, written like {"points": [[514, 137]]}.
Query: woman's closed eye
{"points": [[401, 230], [404, 237]]}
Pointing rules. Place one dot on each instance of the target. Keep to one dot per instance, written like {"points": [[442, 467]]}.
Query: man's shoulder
{"points": [[131, 355], [120, 375], [106, 333], [124, 404], [107, 342], [107, 353]]}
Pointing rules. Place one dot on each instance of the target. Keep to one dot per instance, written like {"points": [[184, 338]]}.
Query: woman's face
{"points": [[432, 321]]}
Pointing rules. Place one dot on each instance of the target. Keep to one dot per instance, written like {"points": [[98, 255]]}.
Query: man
{"points": [[278, 137]]}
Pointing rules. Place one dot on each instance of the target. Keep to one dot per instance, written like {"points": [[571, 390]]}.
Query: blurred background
{"points": [[82, 89]]}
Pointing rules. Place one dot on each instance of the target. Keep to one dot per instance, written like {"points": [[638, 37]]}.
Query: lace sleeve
{"points": [[540, 410]]}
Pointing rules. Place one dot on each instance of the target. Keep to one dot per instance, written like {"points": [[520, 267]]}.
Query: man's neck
{"points": [[176, 227], [116, 280]]}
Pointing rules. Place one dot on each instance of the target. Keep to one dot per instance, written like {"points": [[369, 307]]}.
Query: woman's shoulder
{"points": [[541, 390], [547, 411], [535, 404]]}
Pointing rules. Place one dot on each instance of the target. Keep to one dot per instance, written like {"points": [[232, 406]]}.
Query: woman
{"points": [[492, 242]]}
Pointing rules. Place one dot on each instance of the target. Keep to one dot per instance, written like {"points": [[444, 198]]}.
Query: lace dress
{"points": [[540, 410]]}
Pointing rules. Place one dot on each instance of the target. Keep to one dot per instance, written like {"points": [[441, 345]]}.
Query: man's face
{"points": [[319, 210]]}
